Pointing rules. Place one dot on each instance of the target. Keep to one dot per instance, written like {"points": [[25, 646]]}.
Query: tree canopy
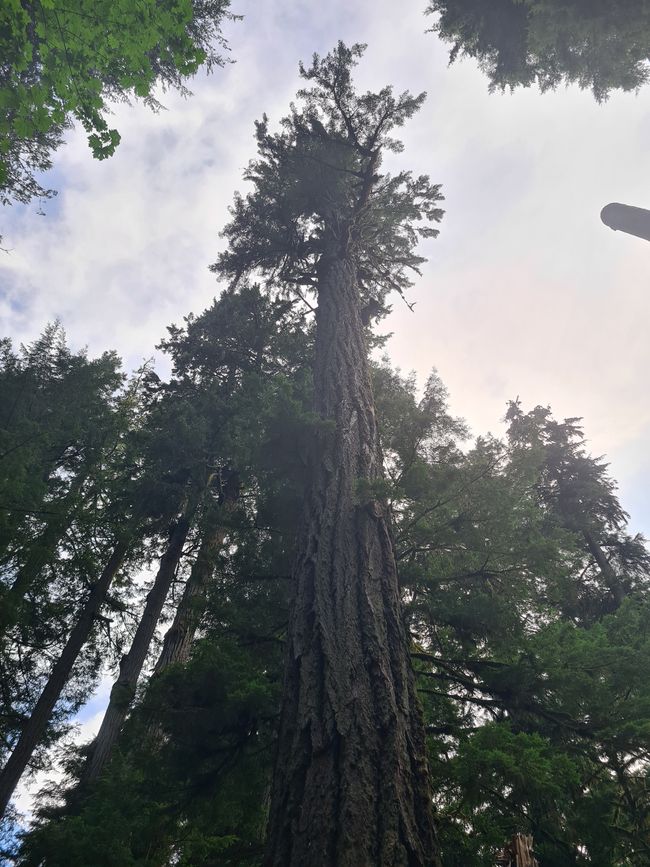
{"points": [[599, 45], [532, 676], [318, 186], [63, 62]]}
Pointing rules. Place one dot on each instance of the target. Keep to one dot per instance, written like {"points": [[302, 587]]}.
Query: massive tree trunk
{"points": [[36, 725], [351, 784], [123, 691], [179, 638]]}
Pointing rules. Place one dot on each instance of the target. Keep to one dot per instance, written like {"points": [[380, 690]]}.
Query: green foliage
{"points": [[68, 61], [56, 406], [532, 672], [576, 492], [318, 190], [551, 760], [61, 425], [195, 788], [599, 45], [536, 703], [235, 403]]}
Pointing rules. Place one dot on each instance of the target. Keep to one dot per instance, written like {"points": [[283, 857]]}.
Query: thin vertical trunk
{"points": [[577, 523], [609, 575], [179, 638], [351, 785], [35, 727], [123, 691]]}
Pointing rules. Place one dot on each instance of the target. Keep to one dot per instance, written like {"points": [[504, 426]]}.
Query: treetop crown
{"points": [[318, 189]]}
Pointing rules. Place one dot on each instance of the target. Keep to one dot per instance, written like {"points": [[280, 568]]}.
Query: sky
{"points": [[526, 293]]}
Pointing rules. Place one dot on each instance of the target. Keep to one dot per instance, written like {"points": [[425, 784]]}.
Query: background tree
{"points": [[242, 363], [576, 489], [62, 416], [65, 62], [63, 420], [55, 639], [598, 45], [535, 715], [534, 684]]}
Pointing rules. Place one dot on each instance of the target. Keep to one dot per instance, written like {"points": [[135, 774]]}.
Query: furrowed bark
{"points": [[123, 691], [351, 784], [35, 727], [179, 638]]}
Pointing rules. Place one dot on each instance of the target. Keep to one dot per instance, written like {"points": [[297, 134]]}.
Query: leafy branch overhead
{"points": [[318, 183], [68, 61]]}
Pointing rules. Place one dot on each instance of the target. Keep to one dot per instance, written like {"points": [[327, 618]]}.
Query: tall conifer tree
{"points": [[350, 784]]}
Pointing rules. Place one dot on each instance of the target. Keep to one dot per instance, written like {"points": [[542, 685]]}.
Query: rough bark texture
{"points": [[179, 638], [351, 785], [519, 853], [123, 691], [35, 727]]}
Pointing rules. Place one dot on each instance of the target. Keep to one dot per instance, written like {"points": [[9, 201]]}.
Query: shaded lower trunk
{"points": [[123, 691], [34, 729], [351, 784], [179, 638]]}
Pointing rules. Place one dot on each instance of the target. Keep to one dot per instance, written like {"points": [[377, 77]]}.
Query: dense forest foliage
{"points": [[527, 600], [341, 630], [598, 44], [67, 62]]}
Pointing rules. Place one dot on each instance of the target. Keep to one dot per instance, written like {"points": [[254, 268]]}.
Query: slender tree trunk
{"points": [[123, 691], [180, 635], [179, 638], [578, 524], [351, 784], [35, 727], [609, 575]]}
